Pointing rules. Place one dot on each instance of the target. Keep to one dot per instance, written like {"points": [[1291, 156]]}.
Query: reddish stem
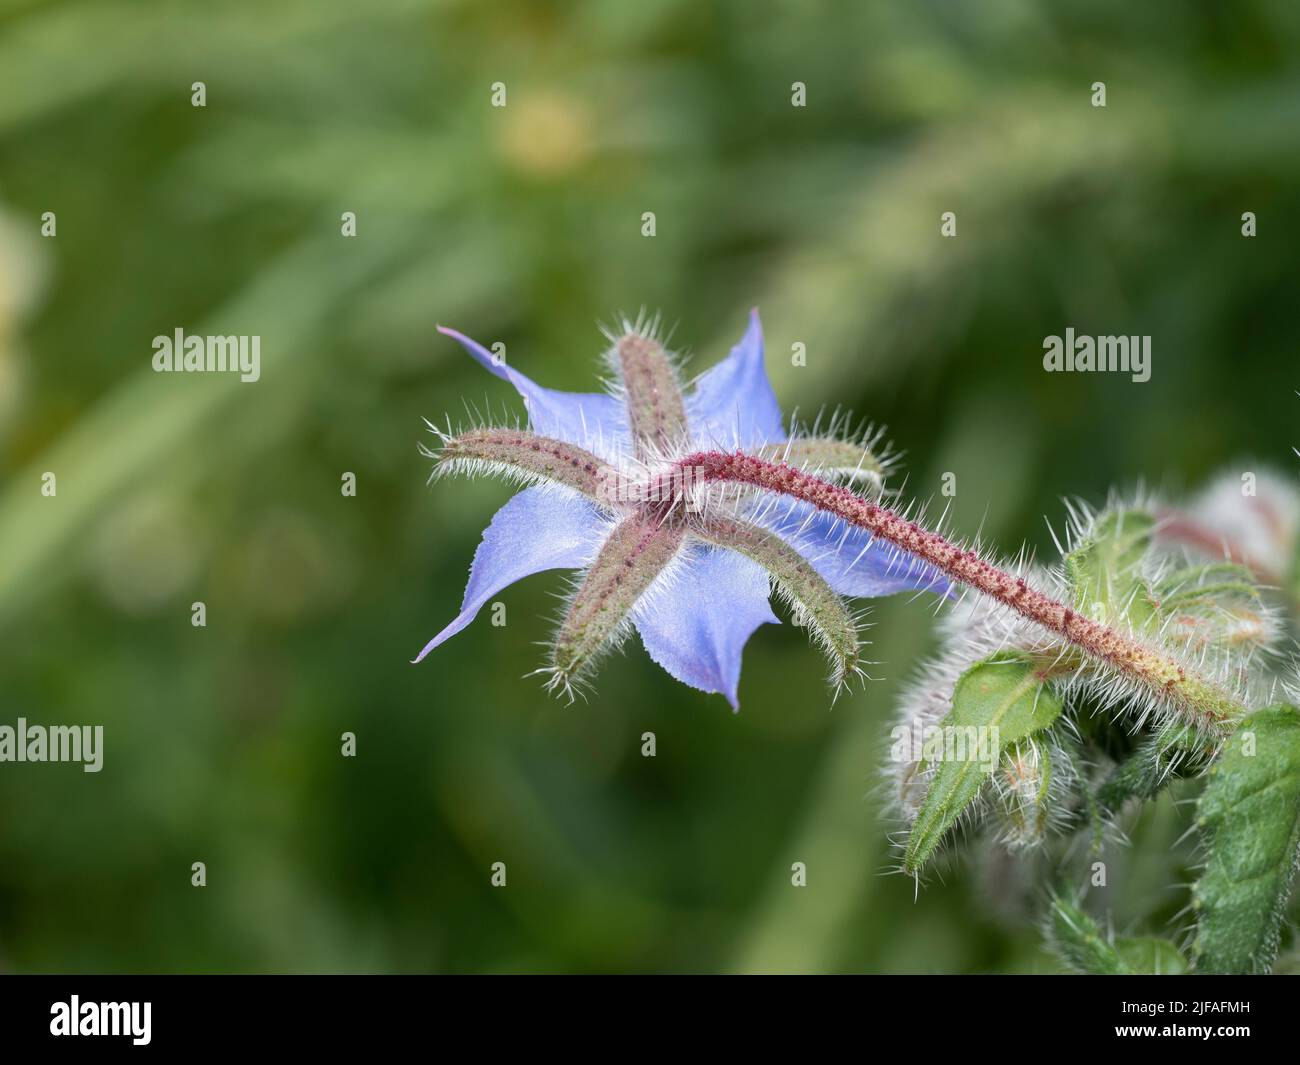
{"points": [[1203, 702]]}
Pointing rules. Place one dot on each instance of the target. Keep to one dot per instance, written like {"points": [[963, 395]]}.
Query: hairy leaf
{"points": [[995, 703], [1250, 814]]}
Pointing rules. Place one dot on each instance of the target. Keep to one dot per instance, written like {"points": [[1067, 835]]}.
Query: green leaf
{"points": [[1105, 570], [995, 703], [1250, 814], [1083, 946]]}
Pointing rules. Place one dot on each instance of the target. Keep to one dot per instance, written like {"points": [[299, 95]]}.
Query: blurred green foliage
{"points": [[522, 225]]}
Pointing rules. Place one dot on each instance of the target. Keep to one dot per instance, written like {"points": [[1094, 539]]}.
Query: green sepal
{"points": [[1004, 696], [1105, 571], [1198, 588], [1157, 761]]}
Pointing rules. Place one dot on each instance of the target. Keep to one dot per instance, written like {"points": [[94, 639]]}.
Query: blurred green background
{"points": [[522, 225]]}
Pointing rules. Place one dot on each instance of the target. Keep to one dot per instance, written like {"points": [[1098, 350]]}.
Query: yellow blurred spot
{"points": [[546, 134]]}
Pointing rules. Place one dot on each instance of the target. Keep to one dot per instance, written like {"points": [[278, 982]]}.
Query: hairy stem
{"points": [[1200, 701]]}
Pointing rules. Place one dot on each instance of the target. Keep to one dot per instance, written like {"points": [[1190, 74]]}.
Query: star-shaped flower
{"points": [[689, 565]]}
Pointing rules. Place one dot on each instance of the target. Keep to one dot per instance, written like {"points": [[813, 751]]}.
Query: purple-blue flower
{"points": [[688, 565]]}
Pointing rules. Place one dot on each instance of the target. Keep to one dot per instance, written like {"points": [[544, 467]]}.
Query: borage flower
{"points": [[689, 563]]}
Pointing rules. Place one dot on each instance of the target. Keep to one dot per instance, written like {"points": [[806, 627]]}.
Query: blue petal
{"points": [[539, 529], [733, 404], [592, 420], [697, 623], [847, 557]]}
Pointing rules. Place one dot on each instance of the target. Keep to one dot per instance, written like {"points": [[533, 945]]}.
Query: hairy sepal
{"points": [[996, 703], [656, 410], [833, 458], [598, 614], [1033, 779], [526, 458], [1158, 760], [1105, 569], [815, 604], [1216, 611]]}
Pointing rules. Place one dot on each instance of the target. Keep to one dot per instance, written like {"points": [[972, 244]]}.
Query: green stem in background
{"points": [[1157, 762], [1197, 700], [1087, 949]]}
